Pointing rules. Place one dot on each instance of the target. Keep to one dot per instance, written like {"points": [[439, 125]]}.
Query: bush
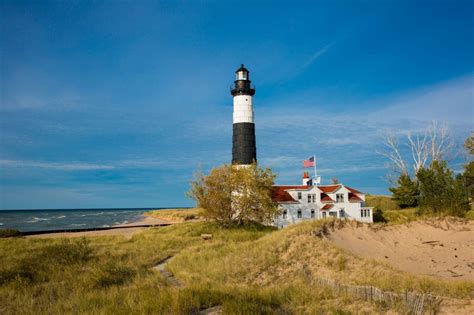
{"points": [[190, 217], [9, 233], [378, 216], [236, 195]]}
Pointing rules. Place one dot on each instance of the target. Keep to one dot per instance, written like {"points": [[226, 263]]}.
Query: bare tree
{"points": [[434, 144], [393, 153], [441, 144], [419, 150]]}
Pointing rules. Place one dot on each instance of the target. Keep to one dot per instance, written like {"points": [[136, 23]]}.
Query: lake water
{"points": [[38, 220]]}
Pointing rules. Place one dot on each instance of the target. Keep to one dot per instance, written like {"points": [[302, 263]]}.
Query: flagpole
{"points": [[315, 172]]}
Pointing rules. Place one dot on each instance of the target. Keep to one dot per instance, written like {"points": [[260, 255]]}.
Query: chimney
{"points": [[306, 179]]}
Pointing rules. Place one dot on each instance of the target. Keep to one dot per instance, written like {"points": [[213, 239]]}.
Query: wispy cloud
{"points": [[55, 166], [317, 54]]}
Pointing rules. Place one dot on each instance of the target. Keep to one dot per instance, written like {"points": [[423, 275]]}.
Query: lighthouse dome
{"points": [[242, 68]]}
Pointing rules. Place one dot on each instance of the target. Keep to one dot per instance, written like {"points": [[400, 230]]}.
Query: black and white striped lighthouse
{"points": [[244, 151]]}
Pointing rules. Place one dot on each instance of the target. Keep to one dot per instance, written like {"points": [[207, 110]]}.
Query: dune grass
{"points": [[176, 215], [245, 270], [381, 202]]}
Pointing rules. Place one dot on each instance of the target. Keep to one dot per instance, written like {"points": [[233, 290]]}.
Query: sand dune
{"points": [[441, 248]]}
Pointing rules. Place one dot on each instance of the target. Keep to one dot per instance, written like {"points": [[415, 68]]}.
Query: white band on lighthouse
{"points": [[243, 109]]}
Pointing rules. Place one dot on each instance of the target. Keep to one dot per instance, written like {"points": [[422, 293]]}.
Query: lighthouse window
{"points": [[314, 198], [300, 215], [284, 214], [312, 213], [309, 198], [299, 195], [339, 197]]}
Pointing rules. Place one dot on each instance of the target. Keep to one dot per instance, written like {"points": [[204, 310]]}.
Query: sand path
{"points": [[438, 248]]}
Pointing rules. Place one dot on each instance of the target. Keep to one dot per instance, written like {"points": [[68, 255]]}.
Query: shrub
{"points": [[236, 195], [378, 216], [189, 217], [9, 233]]}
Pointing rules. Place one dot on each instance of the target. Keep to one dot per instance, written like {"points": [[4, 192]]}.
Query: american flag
{"points": [[309, 162]]}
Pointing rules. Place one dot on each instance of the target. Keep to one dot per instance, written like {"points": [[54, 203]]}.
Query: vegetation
{"points": [[406, 193], [9, 233], [440, 192], [433, 188], [236, 195], [176, 215], [244, 269], [467, 177], [381, 202]]}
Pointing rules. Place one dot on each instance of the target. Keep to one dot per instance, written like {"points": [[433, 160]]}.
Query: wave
{"points": [[77, 224], [60, 217], [35, 220], [93, 214], [1, 223]]}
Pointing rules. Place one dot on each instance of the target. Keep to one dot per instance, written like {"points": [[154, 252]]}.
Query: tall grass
{"points": [[245, 270]]}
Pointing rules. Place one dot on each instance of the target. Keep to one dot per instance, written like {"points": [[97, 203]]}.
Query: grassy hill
{"points": [[244, 270]]}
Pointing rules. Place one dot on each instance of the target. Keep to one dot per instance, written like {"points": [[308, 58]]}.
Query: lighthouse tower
{"points": [[244, 151]]}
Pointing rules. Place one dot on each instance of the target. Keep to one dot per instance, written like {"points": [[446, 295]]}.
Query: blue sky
{"points": [[116, 104]]}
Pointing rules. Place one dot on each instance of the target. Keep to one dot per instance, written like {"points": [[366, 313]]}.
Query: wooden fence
{"points": [[415, 303]]}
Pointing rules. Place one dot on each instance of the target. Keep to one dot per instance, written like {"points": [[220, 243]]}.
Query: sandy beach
{"points": [[438, 248], [127, 230]]}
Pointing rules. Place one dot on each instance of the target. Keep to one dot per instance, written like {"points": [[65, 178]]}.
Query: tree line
{"points": [[425, 180]]}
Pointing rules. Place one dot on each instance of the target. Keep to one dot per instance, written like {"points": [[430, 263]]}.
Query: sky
{"points": [[119, 103]]}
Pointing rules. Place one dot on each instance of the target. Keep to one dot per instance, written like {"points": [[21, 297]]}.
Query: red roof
{"points": [[326, 198], [354, 197], [280, 194], [300, 187], [354, 190], [329, 188], [327, 207]]}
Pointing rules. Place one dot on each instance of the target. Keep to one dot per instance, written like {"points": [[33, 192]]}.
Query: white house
{"points": [[306, 202]]}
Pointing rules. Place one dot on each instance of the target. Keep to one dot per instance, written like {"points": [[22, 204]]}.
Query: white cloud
{"points": [[317, 54], [55, 165]]}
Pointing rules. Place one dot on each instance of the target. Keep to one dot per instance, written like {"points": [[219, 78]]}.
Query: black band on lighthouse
{"points": [[244, 150]]}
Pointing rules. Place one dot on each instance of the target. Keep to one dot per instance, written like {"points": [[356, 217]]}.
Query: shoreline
{"points": [[126, 229]]}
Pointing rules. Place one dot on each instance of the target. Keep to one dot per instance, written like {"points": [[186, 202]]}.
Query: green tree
{"points": [[440, 192], [467, 177], [406, 193], [236, 195]]}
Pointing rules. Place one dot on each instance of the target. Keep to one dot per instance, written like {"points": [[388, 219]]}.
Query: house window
{"points": [[324, 215], [300, 214], [285, 214], [309, 198], [314, 198], [341, 213], [339, 197], [299, 195], [365, 213], [362, 212], [333, 214], [312, 213]]}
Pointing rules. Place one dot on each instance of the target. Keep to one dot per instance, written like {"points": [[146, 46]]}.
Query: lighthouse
{"points": [[244, 151]]}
